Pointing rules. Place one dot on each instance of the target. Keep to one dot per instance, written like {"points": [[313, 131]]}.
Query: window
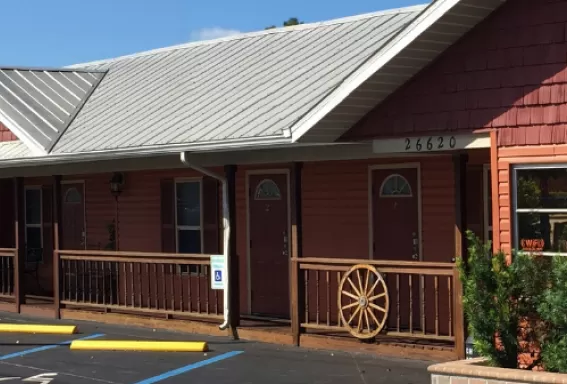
{"points": [[540, 204], [33, 228], [73, 196], [188, 220], [267, 190], [395, 186], [487, 190]]}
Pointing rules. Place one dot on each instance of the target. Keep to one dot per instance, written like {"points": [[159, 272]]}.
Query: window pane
{"points": [[542, 232], [33, 237], [189, 241], [189, 204], [542, 188], [33, 206]]}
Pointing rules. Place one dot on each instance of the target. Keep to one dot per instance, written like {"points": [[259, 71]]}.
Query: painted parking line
{"points": [[189, 367], [46, 347]]}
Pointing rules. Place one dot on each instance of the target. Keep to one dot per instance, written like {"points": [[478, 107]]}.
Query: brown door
{"points": [[396, 237], [73, 216], [269, 251]]}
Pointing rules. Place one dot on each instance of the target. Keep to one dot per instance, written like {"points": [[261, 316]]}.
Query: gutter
{"points": [[226, 232]]}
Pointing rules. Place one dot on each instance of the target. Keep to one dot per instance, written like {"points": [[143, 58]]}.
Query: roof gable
{"points": [[37, 105]]}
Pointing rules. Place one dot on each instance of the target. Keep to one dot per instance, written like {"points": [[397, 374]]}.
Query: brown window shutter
{"points": [[168, 216], [210, 206], [47, 207]]}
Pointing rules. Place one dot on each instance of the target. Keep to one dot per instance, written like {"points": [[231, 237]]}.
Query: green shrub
{"points": [[496, 296], [553, 310]]}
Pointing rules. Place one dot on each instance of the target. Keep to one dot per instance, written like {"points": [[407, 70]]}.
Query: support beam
{"points": [[297, 284], [460, 174], [57, 236], [234, 291], [20, 241]]}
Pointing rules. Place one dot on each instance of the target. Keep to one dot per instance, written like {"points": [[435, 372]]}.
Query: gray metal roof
{"points": [[14, 150], [249, 86], [39, 104]]}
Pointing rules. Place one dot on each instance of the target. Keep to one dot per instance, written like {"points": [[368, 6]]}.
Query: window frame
{"points": [[487, 182], [182, 269], [514, 205], [28, 225]]}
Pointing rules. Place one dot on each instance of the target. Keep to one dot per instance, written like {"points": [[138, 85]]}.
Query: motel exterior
{"points": [[374, 140]]}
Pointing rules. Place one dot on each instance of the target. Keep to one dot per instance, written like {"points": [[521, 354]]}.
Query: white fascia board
{"points": [[34, 146], [405, 37]]}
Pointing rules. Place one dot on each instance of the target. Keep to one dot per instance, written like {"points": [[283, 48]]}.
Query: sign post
{"points": [[218, 272]]}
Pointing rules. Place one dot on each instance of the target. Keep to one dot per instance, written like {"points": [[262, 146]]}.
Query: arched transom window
{"points": [[73, 196], [395, 186], [267, 190]]}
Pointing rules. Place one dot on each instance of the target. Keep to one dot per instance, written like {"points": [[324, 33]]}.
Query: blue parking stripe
{"points": [[189, 367], [46, 347]]}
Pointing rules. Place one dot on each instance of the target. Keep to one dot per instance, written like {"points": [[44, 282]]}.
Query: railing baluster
{"points": [[76, 281], [90, 278], [103, 275], [422, 298], [410, 304], [125, 284], [317, 296], [83, 284], [328, 298], [306, 275], [4, 290], [156, 290], [449, 286], [398, 314], [436, 279], [180, 278], [149, 284], [339, 296], [198, 293], [140, 289], [133, 290], [163, 287], [111, 282], [172, 286]]}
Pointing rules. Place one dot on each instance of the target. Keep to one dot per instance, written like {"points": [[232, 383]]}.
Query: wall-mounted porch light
{"points": [[117, 184]]}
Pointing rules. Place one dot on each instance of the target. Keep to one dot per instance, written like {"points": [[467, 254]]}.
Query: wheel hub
{"points": [[363, 301]]}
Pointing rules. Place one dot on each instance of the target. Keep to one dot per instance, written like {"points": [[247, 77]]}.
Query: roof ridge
{"points": [[347, 19]]}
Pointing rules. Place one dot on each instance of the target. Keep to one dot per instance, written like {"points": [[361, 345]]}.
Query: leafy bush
{"points": [[496, 296], [553, 310]]}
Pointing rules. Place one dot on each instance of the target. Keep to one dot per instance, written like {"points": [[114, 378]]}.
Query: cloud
{"points": [[213, 33]]}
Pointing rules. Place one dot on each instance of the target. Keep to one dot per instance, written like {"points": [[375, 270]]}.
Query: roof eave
{"points": [[310, 128]]}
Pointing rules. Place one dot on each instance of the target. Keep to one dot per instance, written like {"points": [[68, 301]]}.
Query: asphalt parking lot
{"points": [[48, 359]]}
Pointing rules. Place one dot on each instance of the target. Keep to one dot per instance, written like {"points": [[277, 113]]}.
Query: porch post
{"points": [[56, 244], [297, 286], [20, 241], [234, 281], [460, 171]]}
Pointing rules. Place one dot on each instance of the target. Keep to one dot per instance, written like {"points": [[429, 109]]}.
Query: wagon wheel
{"points": [[366, 293]]}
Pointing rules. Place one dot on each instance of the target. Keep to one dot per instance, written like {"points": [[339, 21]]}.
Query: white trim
{"points": [[372, 168], [486, 182], [40, 225], [438, 143], [402, 39], [279, 171], [200, 228]]}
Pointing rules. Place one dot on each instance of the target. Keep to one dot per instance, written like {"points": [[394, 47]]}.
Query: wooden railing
{"points": [[7, 258], [424, 297], [151, 283]]}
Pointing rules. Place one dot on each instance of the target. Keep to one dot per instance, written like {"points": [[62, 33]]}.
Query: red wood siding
{"points": [[6, 134], [508, 73]]}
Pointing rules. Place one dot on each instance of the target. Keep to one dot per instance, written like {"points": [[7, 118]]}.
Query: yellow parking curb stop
{"points": [[38, 328], [135, 345]]}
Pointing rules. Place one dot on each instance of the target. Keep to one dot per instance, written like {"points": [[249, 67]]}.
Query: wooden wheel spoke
{"points": [[348, 306], [379, 308], [353, 315], [350, 295], [353, 287], [377, 296], [373, 317], [371, 288]]}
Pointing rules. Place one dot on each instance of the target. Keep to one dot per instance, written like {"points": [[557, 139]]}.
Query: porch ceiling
{"points": [[412, 49]]}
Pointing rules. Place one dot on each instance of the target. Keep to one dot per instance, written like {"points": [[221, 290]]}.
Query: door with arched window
{"points": [[73, 216]]}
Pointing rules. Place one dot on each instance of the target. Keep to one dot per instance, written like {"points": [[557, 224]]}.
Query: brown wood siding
{"points": [[335, 208], [508, 73], [6, 134]]}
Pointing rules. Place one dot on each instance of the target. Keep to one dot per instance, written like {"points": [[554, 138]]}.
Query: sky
{"points": [[63, 32]]}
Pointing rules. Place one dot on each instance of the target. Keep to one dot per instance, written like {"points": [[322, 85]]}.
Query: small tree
{"points": [[288, 23]]}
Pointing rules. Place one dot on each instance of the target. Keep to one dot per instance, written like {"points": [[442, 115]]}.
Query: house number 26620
{"points": [[432, 143]]}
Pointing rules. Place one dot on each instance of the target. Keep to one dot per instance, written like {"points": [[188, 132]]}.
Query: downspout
{"points": [[226, 231]]}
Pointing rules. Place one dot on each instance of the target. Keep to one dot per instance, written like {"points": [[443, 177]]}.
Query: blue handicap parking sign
{"points": [[218, 275]]}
